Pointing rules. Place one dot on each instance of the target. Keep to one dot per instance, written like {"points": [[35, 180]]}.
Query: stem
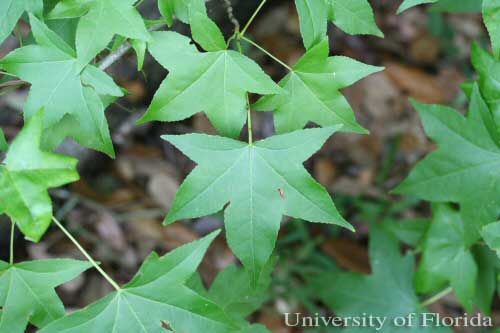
{"points": [[436, 297], [266, 52], [12, 230], [254, 15], [87, 255]]}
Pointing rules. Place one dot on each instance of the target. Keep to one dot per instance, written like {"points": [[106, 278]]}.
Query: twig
{"points": [[12, 231], [113, 57], [13, 83], [230, 14]]}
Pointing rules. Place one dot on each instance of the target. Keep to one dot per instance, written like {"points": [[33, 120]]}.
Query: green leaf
{"points": [[408, 231], [62, 90], [407, 4], [488, 69], [454, 6], [206, 33], [102, 19], [215, 82], [243, 298], [3, 142], [181, 9], [313, 16], [140, 47], [491, 17], [388, 292], [314, 92], [447, 258], [27, 291], [464, 167], [487, 262], [261, 182], [11, 11], [491, 235], [158, 293], [26, 174], [354, 17]]}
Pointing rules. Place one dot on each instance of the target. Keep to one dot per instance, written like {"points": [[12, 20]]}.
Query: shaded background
{"points": [[117, 208]]}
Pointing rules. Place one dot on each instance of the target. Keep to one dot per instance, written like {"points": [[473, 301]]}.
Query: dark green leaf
{"points": [[261, 182], [214, 82], [464, 167], [447, 259], [27, 291], [25, 176], [314, 92], [156, 294]]}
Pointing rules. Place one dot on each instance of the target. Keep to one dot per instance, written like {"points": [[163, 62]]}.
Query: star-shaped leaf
{"points": [[387, 293], [447, 258], [314, 92], [58, 86], [491, 17], [488, 69], [3, 142], [26, 174], [102, 19], [354, 17], [157, 294], [27, 291], [407, 4], [259, 182], [491, 235], [181, 9], [465, 168], [11, 11], [214, 82]]}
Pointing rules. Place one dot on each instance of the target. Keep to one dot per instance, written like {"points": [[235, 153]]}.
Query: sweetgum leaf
{"points": [[447, 258], [11, 11], [313, 17], [387, 292], [181, 9], [25, 176], [314, 92], [465, 167], [354, 17], [491, 17], [206, 33], [62, 90], [214, 82], [491, 235], [407, 4], [3, 142], [101, 20], [158, 293], [260, 182], [488, 69], [27, 291]]}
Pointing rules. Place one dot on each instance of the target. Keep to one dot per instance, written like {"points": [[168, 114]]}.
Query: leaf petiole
{"points": [[266, 52], [87, 255], [254, 15], [12, 231], [436, 297]]}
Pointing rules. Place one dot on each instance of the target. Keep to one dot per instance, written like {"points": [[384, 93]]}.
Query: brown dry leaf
{"points": [[201, 124], [417, 84], [110, 231], [348, 254], [325, 171], [425, 49], [274, 321], [136, 90]]}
